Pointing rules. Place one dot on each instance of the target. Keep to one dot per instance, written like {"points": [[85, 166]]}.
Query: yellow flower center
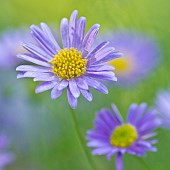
{"points": [[123, 136], [68, 63], [122, 64]]}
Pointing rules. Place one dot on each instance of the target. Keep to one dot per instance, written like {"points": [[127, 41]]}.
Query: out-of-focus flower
{"points": [[74, 66], [6, 157], [10, 46], [114, 136], [141, 53], [163, 107]]}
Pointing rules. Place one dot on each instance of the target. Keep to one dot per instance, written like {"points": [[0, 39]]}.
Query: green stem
{"points": [[81, 141], [143, 163]]}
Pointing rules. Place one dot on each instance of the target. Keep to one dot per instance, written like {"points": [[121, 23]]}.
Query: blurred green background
{"points": [[46, 140]]}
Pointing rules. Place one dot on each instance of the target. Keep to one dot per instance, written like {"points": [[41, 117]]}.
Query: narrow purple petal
{"points": [[72, 27], [37, 51], [44, 86], [100, 55], [49, 34], [108, 118], [97, 49], [73, 88], [117, 114], [64, 31], [97, 143], [119, 162], [100, 68], [132, 112], [46, 78], [135, 113], [149, 135], [105, 75], [55, 93], [33, 68], [101, 151], [109, 57], [71, 99], [20, 75], [87, 94], [32, 59], [81, 24], [89, 39], [62, 85], [37, 74], [81, 83], [96, 85], [148, 126], [153, 141], [92, 134], [113, 151], [43, 40]]}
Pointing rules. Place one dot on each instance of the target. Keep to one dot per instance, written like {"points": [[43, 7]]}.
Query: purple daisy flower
{"points": [[6, 157], [114, 136], [10, 46], [141, 54], [74, 66], [162, 105]]}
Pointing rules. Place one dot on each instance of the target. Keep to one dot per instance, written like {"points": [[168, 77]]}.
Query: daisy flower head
{"points": [[10, 46], [111, 135], [162, 103], [6, 157], [140, 55], [73, 66]]}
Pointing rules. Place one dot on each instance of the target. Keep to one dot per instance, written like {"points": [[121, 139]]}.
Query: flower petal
{"points": [[73, 88], [98, 68], [49, 34], [33, 68], [97, 49], [43, 40], [37, 51], [101, 151], [89, 39], [64, 31], [96, 85], [55, 93], [28, 57], [105, 75], [87, 94], [117, 114], [44, 86], [81, 83], [37, 74], [71, 99], [81, 24], [72, 27], [62, 85]]}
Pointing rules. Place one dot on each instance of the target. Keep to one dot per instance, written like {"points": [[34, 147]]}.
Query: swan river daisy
{"points": [[114, 136], [75, 66]]}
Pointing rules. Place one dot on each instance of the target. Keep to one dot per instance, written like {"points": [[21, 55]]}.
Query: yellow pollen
{"points": [[123, 136], [68, 63], [122, 64]]}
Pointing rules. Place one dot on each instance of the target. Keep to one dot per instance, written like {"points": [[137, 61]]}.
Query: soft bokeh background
{"points": [[40, 130]]}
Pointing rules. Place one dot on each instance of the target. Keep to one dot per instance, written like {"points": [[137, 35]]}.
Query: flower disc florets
{"points": [[123, 136], [68, 63]]}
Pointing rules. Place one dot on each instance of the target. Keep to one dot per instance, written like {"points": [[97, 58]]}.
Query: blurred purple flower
{"points": [[74, 67], [10, 46], [163, 107], [141, 54], [114, 136], [6, 157]]}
